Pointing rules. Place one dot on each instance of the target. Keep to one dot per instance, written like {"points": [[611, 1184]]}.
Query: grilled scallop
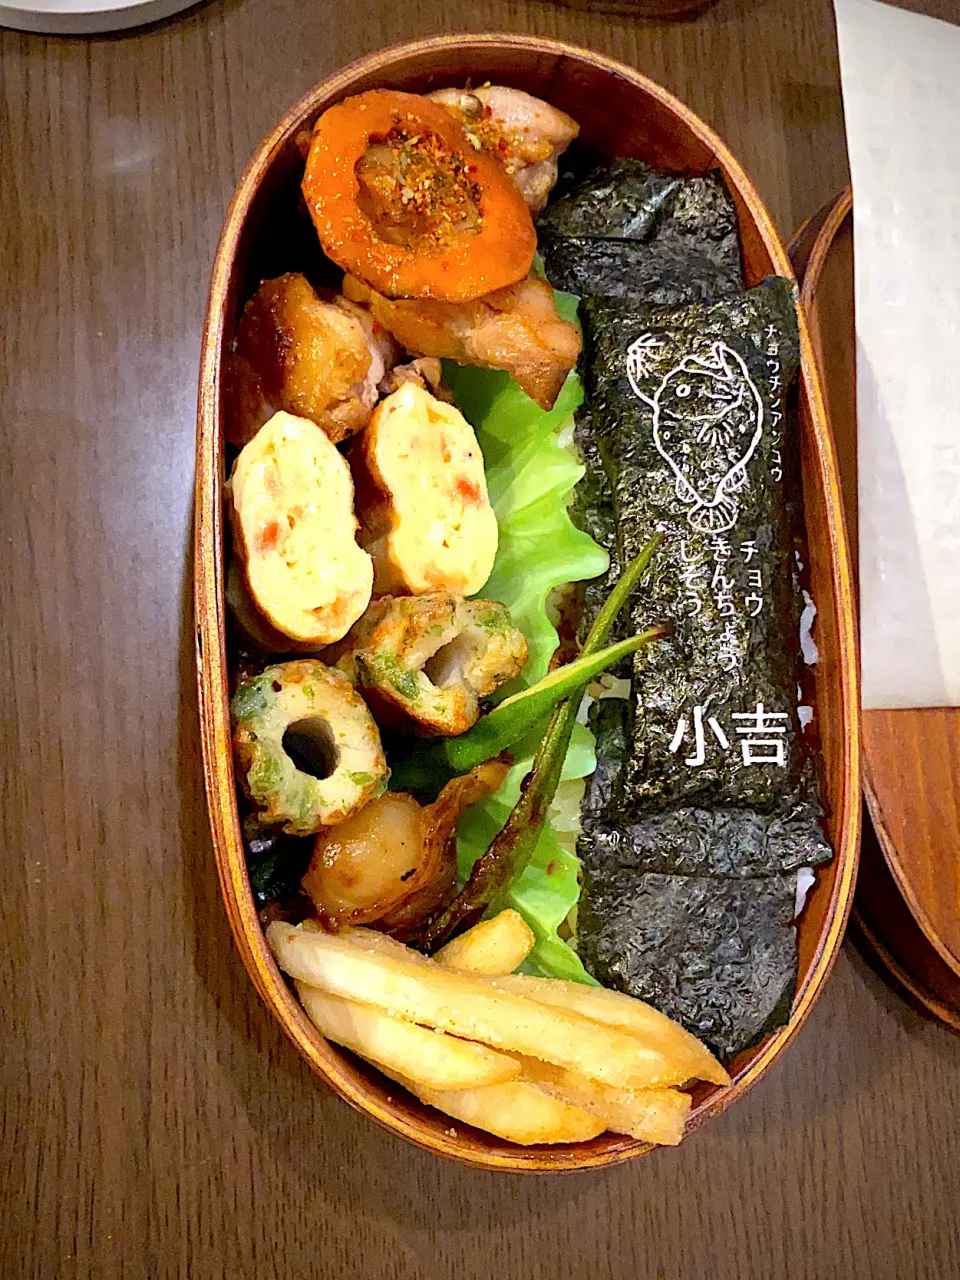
{"points": [[395, 861], [428, 660], [425, 517], [295, 532]]}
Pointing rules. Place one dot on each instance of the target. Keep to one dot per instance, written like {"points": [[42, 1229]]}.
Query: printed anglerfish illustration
{"points": [[707, 423]]}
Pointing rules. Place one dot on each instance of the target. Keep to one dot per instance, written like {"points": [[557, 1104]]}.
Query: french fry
{"points": [[471, 1006], [651, 1115], [519, 1112], [627, 1014], [432, 1059], [612, 1008], [373, 940], [492, 946]]}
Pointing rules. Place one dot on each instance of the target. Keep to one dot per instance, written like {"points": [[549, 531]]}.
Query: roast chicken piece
{"points": [[517, 329]]}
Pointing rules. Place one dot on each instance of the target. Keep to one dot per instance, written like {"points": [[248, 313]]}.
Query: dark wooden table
{"points": [[155, 1124]]}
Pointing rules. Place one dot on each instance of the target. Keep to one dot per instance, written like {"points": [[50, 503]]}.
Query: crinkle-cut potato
{"points": [[425, 517], [615, 1009], [294, 532], [471, 1006], [430, 1058], [395, 860], [516, 1111], [494, 946], [650, 1115], [320, 706], [429, 659], [308, 357]]}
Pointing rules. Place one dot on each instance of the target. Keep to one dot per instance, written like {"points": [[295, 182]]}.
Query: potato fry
{"points": [[373, 940], [471, 1006], [614, 1009], [492, 946], [431, 1058], [652, 1115], [519, 1112]]}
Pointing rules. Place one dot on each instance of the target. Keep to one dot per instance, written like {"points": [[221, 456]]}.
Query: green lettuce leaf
{"points": [[530, 475], [549, 887]]}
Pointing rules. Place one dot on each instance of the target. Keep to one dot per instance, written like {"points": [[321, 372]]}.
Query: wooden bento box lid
{"points": [[907, 907]]}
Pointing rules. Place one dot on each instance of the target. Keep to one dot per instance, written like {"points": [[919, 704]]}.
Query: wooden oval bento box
{"points": [[620, 113]]}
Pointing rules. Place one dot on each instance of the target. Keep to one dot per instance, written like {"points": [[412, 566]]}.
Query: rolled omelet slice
{"points": [[425, 517], [294, 529]]}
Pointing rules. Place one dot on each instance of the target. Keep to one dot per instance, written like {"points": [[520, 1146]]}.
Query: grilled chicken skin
{"points": [[319, 360], [517, 329]]}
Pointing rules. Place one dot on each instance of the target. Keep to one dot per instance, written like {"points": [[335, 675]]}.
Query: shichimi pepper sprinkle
{"points": [[402, 198]]}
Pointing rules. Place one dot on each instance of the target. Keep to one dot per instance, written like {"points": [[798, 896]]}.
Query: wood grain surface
{"points": [[912, 782], [896, 943], [154, 1123]]}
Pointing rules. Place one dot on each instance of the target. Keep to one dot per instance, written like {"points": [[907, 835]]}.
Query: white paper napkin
{"points": [[901, 96]]}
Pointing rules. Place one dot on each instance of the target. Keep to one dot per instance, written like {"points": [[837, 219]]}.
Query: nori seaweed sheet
{"points": [[731, 843], [717, 955], [691, 441], [634, 231], [689, 865], [626, 200], [668, 271], [690, 854], [688, 840], [734, 842]]}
